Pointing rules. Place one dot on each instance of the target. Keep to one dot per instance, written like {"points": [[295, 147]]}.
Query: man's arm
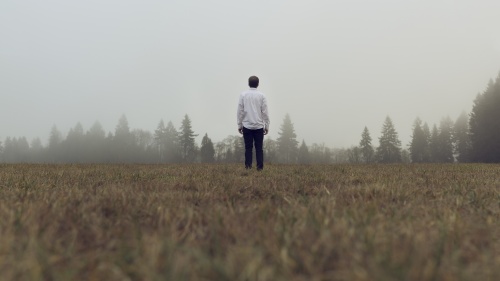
{"points": [[240, 113], [265, 115]]}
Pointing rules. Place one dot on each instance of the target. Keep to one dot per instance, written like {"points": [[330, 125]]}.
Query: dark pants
{"points": [[252, 137]]}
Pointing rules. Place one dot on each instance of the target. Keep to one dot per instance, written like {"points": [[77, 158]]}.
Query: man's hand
{"points": [[240, 130], [266, 131]]}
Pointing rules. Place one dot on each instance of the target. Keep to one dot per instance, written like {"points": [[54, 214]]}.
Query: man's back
{"points": [[252, 110]]}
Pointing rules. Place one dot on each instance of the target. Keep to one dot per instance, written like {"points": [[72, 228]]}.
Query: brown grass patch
{"points": [[220, 222]]}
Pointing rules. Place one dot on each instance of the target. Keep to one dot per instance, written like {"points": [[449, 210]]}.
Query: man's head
{"points": [[253, 81]]}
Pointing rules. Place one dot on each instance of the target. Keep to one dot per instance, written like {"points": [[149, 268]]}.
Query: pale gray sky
{"points": [[334, 66]]}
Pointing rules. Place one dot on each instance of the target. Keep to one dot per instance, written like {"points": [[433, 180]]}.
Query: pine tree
{"points": [[186, 141], [207, 151], [97, 145], [122, 130], [365, 144], [74, 145], [303, 157], [461, 138], [419, 143], [122, 149], [55, 137], [434, 145], [36, 144], [16, 150], [96, 132], [53, 148], [485, 124], [36, 149], [445, 141], [8, 150], [159, 138], [172, 146], [287, 142], [389, 150], [427, 136]]}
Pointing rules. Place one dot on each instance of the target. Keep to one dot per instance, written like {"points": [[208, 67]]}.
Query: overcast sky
{"points": [[334, 66]]}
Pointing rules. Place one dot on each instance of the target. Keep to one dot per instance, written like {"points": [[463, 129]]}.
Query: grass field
{"points": [[220, 222]]}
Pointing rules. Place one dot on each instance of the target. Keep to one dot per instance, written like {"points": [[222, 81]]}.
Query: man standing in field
{"points": [[253, 122]]}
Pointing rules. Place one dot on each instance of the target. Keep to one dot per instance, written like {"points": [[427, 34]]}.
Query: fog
{"points": [[334, 66]]}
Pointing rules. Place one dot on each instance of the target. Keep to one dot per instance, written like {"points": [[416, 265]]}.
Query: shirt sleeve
{"points": [[240, 113], [265, 113]]}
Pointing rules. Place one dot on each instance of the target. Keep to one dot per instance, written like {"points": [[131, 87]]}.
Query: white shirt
{"points": [[252, 110]]}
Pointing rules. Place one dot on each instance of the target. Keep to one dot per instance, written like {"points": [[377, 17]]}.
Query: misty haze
{"points": [[334, 68]]}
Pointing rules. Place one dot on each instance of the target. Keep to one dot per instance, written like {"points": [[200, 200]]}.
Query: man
{"points": [[253, 122]]}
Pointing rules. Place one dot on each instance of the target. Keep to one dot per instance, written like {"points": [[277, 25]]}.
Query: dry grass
{"points": [[220, 222]]}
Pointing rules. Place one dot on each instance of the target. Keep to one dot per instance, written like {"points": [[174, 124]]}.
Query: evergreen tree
{"points": [[23, 148], [445, 141], [461, 138], [187, 141], [36, 144], [16, 150], [7, 152], [36, 149], [172, 146], [485, 124], [287, 141], [122, 131], [123, 142], [160, 141], [53, 148], [74, 145], [434, 145], [427, 136], [389, 150], [303, 157], [419, 143], [98, 148], [207, 151], [365, 145], [96, 132], [55, 138]]}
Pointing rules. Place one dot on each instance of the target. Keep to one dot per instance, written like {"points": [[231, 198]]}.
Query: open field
{"points": [[220, 222]]}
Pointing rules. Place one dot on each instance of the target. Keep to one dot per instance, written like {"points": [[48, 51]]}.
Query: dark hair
{"points": [[253, 81]]}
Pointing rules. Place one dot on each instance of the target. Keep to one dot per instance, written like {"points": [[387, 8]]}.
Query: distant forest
{"points": [[469, 138]]}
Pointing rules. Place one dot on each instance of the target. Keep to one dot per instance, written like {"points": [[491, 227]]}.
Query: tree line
{"points": [[470, 138]]}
